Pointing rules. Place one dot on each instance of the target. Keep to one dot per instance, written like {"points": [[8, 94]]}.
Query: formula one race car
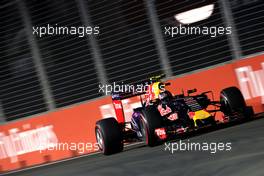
{"points": [[162, 116]]}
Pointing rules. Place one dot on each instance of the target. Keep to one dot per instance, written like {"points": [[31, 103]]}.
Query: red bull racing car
{"points": [[163, 116]]}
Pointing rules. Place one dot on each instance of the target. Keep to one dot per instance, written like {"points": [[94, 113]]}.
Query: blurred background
{"points": [[40, 74]]}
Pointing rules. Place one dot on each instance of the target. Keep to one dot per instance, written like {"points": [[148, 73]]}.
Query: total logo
{"points": [[251, 82]]}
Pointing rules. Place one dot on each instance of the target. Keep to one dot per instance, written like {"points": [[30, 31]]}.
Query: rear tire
{"points": [[109, 136], [150, 120]]}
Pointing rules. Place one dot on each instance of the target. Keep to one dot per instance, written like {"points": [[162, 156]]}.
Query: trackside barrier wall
{"points": [[21, 141]]}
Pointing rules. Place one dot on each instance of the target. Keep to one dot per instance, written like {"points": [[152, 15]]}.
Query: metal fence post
{"points": [[36, 57], [161, 47], [233, 40], [97, 57]]}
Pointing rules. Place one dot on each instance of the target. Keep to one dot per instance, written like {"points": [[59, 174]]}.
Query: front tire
{"points": [[109, 136], [232, 101]]}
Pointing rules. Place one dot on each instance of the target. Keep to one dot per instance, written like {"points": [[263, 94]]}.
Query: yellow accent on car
{"points": [[199, 115]]}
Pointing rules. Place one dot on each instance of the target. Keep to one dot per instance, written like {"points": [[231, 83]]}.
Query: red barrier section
{"points": [[20, 141], [31, 141]]}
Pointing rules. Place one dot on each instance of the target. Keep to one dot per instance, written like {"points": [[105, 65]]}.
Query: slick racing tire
{"points": [[150, 120], [109, 136], [211, 121], [232, 101]]}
